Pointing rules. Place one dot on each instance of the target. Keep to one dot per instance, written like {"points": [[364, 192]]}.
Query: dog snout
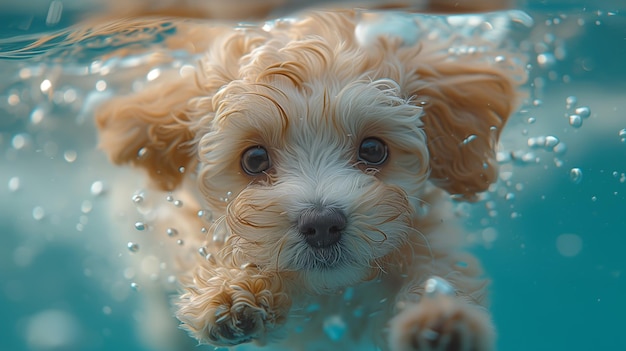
{"points": [[322, 227]]}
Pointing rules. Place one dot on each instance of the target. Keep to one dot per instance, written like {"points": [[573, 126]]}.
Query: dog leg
{"points": [[442, 320], [231, 306]]}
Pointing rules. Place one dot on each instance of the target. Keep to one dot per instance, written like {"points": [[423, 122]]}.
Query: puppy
{"points": [[316, 164]]}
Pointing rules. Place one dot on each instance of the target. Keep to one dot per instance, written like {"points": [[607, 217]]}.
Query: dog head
{"points": [[312, 151]]}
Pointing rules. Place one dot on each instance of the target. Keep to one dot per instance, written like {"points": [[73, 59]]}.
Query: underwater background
{"points": [[551, 234]]}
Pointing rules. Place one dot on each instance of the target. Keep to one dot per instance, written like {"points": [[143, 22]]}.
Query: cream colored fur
{"points": [[309, 93]]}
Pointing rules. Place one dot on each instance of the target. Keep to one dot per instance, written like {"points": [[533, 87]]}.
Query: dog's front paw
{"points": [[237, 322], [233, 309], [441, 323]]}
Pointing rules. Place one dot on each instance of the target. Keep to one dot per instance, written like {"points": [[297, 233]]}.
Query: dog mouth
{"points": [[328, 258]]}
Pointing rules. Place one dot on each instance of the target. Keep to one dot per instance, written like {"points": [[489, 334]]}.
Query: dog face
{"points": [[320, 178], [312, 151]]}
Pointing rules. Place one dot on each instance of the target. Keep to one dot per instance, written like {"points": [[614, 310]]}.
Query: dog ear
{"points": [[151, 130], [466, 104]]}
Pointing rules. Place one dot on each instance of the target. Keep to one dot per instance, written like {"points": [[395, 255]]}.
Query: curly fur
{"points": [[309, 93]]}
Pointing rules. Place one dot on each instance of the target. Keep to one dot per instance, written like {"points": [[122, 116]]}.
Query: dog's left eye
{"points": [[373, 151], [255, 160]]}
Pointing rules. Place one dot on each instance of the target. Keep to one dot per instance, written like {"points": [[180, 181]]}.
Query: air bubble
{"points": [[335, 327], [86, 206], [469, 139], [571, 101], [575, 121], [134, 286], [142, 152], [178, 203], [546, 60], [219, 238], [436, 286], [489, 235], [140, 225], [53, 329], [180, 242], [132, 247], [107, 310], [19, 141], [576, 175], [169, 198], [97, 188], [137, 198], [560, 149], [45, 86], [101, 85], [171, 232], [181, 169], [38, 213], [583, 111], [569, 245], [153, 74], [14, 184], [70, 156], [622, 135], [551, 141], [69, 96], [37, 116]]}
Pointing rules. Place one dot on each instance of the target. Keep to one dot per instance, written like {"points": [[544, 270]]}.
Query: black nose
{"points": [[321, 227]]}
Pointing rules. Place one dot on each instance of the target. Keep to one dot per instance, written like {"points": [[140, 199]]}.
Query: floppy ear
{"points": [[151, 129], [466, 104]]}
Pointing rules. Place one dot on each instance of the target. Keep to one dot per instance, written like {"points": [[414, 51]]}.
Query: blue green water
{"points": [[551, 233]]}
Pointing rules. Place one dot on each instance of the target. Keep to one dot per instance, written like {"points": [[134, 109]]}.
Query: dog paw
{"points": [[237, 309], [441, 323], [237, 323]]}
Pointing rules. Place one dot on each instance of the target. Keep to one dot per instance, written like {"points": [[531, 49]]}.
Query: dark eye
{"points": [[255, 160], [372, 151]]}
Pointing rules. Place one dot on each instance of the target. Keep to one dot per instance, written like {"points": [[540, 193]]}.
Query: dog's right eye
{"points": [[255, 160]]}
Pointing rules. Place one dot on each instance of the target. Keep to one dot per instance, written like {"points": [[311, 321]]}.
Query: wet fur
{"points": [[309, 93]]}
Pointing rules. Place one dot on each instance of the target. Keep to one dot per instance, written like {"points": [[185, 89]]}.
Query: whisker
{"points": [[282, 241], [418, 199], [425, 244]]}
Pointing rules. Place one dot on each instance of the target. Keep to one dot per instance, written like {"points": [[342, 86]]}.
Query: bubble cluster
{"points": [[583, 111], [548, 142]]}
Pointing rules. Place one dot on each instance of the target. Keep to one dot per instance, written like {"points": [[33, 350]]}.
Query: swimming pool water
{"points": [[551, 233]]}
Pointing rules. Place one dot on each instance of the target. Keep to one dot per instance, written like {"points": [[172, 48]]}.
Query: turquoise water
{"points": [[551, 233]]}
